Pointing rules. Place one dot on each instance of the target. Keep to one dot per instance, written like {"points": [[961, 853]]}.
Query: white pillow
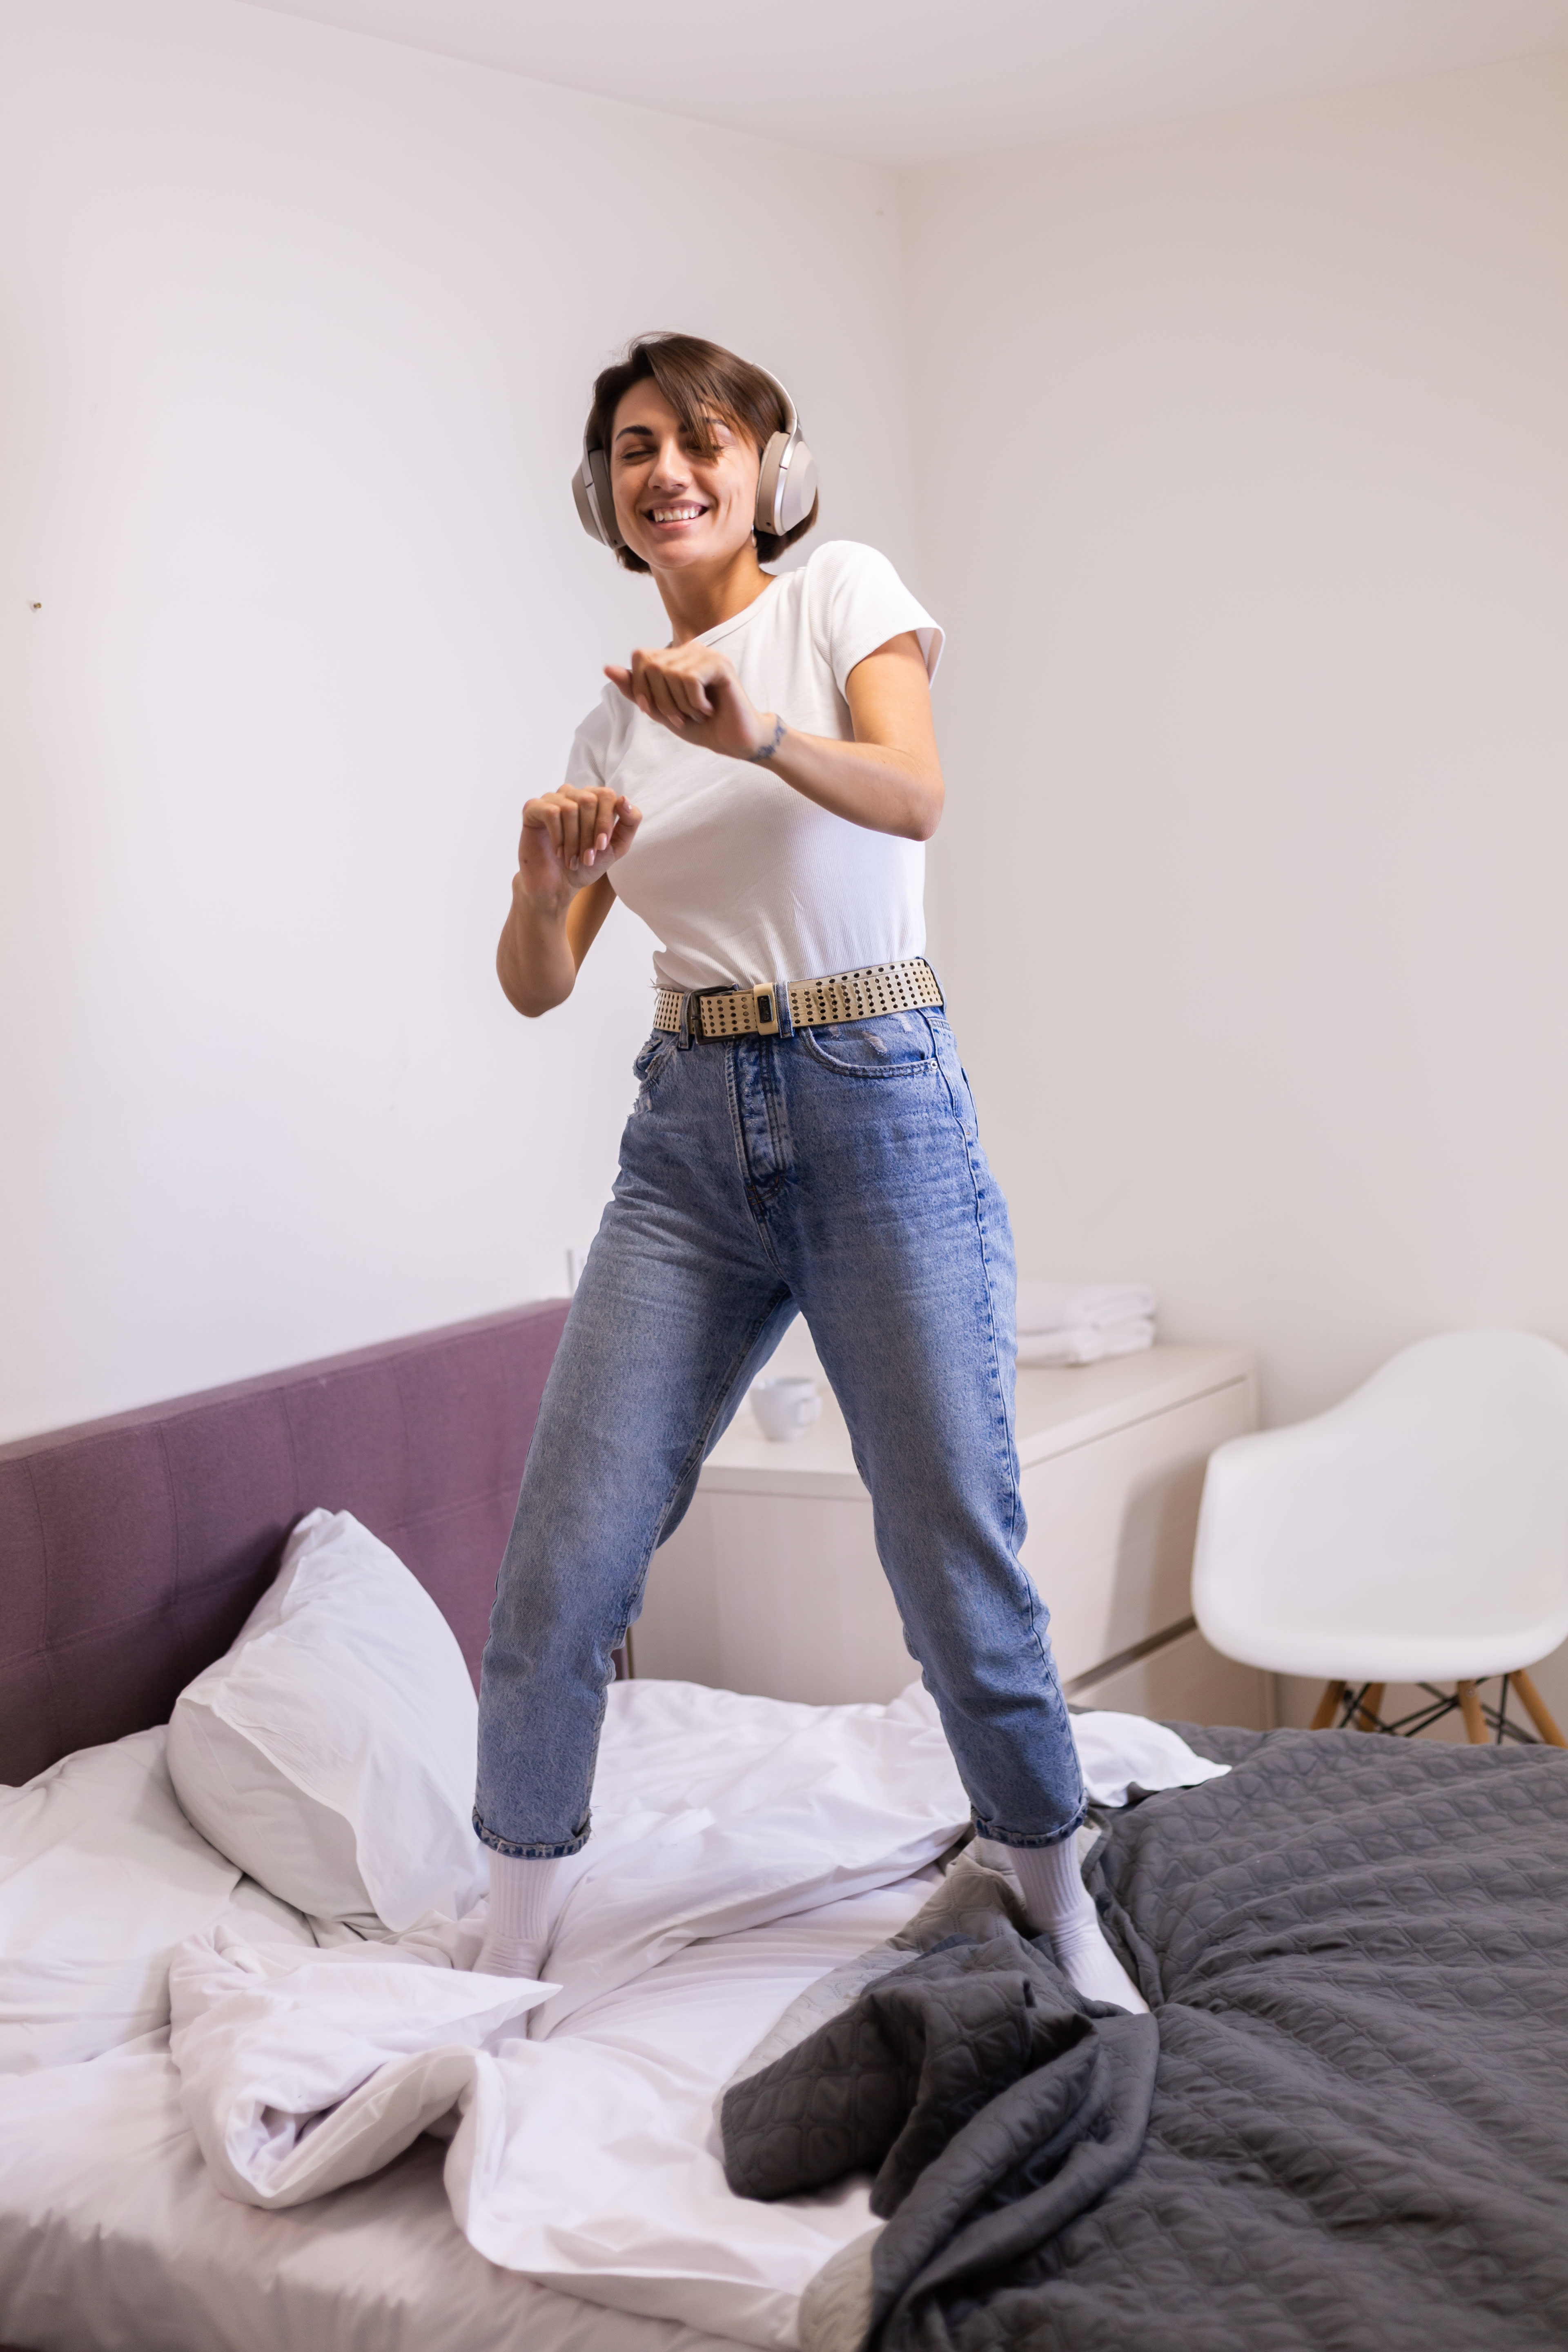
{"points": [[101, 1876], [331, 1752]]}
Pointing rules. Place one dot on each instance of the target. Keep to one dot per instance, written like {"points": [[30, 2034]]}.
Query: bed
{"points": [[132, 1551], [1351, 2130]]}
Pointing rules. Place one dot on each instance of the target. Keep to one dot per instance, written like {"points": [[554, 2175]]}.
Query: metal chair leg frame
{"points": [[1362, 1711], [1440, 1703], [1345, 1707]]}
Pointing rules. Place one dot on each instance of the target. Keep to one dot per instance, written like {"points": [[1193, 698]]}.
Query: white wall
{"points": [[1244, 468], [298, 331], [1243, 491]]}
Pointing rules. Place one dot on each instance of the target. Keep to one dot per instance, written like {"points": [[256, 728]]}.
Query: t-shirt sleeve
{"points": [[590, 758], [858, 602]]}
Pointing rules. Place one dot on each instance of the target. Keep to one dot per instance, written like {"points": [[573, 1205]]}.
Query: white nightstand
{"points": [[772, 1582]]}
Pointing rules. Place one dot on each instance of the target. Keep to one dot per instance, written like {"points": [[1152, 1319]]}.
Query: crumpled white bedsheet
{"points": [[113, 2231], [584, 2149]]}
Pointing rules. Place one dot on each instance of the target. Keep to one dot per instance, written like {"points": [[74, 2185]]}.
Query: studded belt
{"points": [[812, 1003]]}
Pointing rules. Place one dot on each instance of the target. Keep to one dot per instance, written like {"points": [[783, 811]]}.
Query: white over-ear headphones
{"points": [[785, 486]]}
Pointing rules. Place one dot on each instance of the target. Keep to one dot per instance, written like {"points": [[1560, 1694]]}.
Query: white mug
{"points": [[786, 1408]]}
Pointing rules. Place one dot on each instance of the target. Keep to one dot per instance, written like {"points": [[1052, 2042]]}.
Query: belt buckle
{"points": [[764, 1005]]}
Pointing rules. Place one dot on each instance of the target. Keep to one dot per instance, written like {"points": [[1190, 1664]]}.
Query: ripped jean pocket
{"points": [[653, 1061], [893, 1045]]}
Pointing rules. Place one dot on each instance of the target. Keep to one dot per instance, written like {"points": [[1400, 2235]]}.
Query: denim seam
{"points": [[757, 1200], [692, 1461], [774, 1104], [998, 1384]]}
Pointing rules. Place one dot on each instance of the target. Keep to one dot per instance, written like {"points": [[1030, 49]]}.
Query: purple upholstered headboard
{"points": [[132, 1550]]}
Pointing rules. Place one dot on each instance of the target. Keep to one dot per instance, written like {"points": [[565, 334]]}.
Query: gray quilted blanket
{"points": [[1355, 2134]]}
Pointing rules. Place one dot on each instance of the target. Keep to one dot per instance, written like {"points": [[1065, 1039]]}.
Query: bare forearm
{"points": [[870, 784], [546, 937], [534, 961]]}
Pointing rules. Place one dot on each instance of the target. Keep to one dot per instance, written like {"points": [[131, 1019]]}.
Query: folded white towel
{"points": [[1081, 1305], [1087, 1345]]}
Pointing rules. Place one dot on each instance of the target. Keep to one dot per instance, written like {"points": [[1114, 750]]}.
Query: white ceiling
{"points": [[910, 82]]}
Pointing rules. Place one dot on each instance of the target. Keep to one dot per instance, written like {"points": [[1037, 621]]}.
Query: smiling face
{"points": [[681, 502]]}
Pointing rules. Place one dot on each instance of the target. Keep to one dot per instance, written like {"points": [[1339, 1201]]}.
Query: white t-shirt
{"points": [[741, 879]]}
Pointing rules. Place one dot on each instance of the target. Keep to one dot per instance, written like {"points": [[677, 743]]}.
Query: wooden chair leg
{"points": [[1327, 1706], [1370, 1707], [1537, 1709], [1470, 1708]]}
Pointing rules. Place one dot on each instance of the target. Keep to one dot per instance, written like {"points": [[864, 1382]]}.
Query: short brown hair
{"points": [[696, 377]]}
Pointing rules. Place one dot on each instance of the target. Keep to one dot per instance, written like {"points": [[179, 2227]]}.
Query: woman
{"points": [[757, 790]]}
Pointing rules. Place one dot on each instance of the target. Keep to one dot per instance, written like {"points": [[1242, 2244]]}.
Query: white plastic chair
{"points": [[1416, 1533]]}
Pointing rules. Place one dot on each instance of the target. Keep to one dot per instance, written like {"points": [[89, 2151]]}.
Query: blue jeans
{"points": [[837, 1174]]}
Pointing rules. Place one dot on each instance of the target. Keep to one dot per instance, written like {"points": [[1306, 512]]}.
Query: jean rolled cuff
{"points": [[535, 1853], [999, 1836]]}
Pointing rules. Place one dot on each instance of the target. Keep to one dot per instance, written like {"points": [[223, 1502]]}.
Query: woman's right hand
{"points": [[569, 839]]}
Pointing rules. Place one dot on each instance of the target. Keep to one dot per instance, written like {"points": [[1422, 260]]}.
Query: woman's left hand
{"points": [[693, 690], [888, 779]]}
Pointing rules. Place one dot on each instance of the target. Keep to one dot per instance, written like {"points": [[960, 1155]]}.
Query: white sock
{"points": [[1060, 1906], [517, 1925]]}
